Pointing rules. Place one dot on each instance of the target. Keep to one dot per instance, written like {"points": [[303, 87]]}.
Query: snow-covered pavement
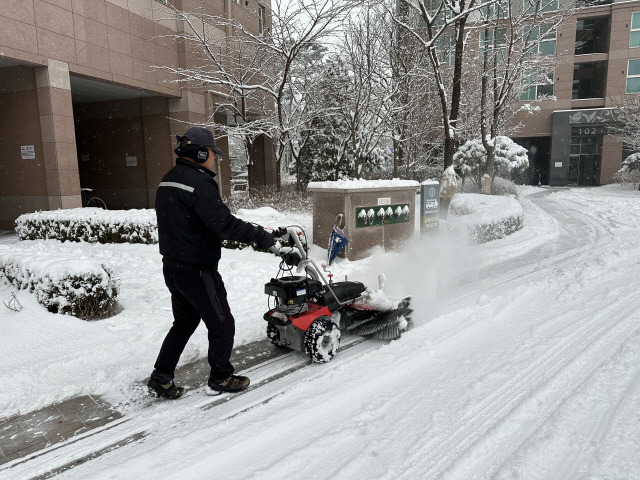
{"points": [[524, 362]]}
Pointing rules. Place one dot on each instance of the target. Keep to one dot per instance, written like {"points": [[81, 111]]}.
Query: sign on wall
{"points": [[28, 152], [132, 161], [382, 215], [429, 206]]}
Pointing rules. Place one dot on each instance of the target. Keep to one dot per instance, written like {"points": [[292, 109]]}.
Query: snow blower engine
{"points": [[310, 313]]}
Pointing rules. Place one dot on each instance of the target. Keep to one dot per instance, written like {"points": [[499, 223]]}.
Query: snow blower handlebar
{"points": [[299, 258]]}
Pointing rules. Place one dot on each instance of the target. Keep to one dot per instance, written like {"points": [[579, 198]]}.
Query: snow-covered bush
{"points": [[504, 186], [486, 218], [63, 284], [630, 170], [89, 225], [471, 159], [287, 199], [97, 225]]}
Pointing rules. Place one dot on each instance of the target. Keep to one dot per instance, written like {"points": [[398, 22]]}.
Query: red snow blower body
{"points": [[310, 313]]}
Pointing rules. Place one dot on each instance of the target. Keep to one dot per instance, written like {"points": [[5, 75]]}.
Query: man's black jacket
{"points": [[193, 220]]}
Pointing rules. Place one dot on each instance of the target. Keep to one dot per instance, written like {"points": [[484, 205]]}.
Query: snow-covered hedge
{"points": [[62, 284], [89, 225], [487, 217], [97, 225]]}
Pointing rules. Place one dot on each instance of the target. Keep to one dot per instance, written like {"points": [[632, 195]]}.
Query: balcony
{"points": [[592, 35]]}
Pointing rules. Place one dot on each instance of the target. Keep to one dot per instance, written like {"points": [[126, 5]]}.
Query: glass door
{"points": [[585, 157]]}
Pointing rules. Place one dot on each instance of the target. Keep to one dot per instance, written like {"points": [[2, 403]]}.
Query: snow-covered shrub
{"points": [[286, 199], [103, 226], [486, 218], [471, 159], [630, 170], [89, 225], [63, 284], [504, 186]]}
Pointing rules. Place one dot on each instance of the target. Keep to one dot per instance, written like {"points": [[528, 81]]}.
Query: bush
{"points": [[111, 226], [504, 187], [486, 218], [286, 199], [67, 285], [89, 225], [630, 170], [471, 159]]}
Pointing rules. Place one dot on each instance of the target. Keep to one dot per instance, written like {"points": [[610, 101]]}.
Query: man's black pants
{"points": [[197, 295]]}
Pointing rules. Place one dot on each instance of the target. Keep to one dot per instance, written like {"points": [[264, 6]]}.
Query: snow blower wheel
{"points": [[273, 334], [322, 340]]}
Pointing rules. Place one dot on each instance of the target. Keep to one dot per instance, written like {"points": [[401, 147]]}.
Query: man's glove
{"points": [[267, 241]]}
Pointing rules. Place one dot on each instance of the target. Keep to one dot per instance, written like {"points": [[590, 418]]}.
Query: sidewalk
{"points": [[22, 435]]}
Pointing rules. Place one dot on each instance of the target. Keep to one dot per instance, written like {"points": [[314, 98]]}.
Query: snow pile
{"points": [[359, 183], [62, 283], [90, 225], [486, 217]]}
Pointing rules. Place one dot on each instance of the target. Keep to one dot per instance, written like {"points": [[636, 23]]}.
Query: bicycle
{"points": [[88, 200]]}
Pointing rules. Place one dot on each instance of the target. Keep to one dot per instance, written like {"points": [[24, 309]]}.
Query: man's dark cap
{"points": [[202, 136]]}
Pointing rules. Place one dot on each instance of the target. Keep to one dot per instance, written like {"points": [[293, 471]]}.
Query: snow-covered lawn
{"points": [[47, 357], [523, 362]]}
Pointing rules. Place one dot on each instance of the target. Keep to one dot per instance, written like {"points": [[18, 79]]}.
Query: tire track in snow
{"points": [[602, 426], [570, 444], [557, 366], [497, 407]]}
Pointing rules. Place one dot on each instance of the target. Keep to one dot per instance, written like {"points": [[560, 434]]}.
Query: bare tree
{"points": [[516, 46], [431, 21], [628, 109], [257, 73]]}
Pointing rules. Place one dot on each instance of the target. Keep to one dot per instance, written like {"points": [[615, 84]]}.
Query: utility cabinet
{"points": [[377, 213]]}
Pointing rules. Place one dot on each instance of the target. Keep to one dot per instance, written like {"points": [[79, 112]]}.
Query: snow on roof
{"points": [[430, 182], [360, 183]]}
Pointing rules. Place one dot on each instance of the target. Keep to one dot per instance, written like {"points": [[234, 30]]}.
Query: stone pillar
{"points": [[58, 135], [263, 170], [185, 112], [158, 146]]}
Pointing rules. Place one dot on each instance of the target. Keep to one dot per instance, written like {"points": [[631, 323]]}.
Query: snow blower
{"points": [[310, 313]]}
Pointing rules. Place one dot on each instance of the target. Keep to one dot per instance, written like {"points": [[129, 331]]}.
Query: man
{"points": [[192, 222]]}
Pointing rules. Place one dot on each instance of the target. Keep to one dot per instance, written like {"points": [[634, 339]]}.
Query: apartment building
{"points": [[570, 141], [83, 106]]}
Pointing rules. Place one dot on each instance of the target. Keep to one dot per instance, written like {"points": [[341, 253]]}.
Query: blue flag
{"points": [[337, 242]]}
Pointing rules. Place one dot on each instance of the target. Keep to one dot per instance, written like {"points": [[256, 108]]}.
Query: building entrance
{"points": [[586, 156]]}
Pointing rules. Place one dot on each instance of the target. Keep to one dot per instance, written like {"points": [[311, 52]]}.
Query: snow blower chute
{"points": [[310, 313]]}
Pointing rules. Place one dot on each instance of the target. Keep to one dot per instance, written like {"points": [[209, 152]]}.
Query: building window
{"points": [[547, 44], [634, 37], [532, 7], [432, 7], [445, 49], [592, 35], [589, 80], [548, 5], [261, 17], [633, 76], [534, 90], [500, 9], [493, 39]]}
